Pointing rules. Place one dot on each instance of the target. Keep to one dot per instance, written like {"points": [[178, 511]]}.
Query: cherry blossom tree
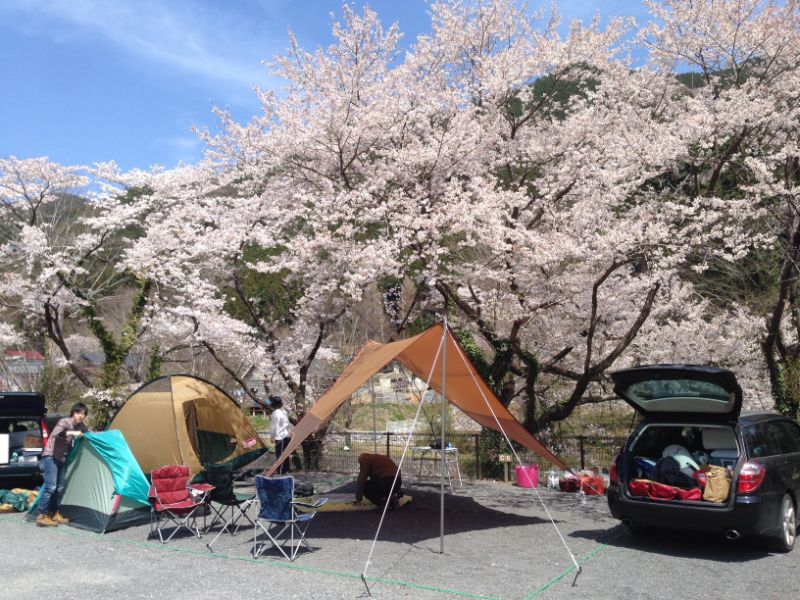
{"points": [[521, 180], [570, 212], [736, 183], [60, 252]]}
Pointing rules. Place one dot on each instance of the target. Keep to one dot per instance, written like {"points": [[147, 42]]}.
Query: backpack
{"points": [[668, 470]]}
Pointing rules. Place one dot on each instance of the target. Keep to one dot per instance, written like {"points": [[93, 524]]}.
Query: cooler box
{"points": [[527, 475], [724, 458]]}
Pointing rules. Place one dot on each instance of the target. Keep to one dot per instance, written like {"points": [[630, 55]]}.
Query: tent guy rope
{"points": [[399, 467], [516, 456]]}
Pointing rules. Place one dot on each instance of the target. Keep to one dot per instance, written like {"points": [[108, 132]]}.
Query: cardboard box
{"points": [[32, 441]]}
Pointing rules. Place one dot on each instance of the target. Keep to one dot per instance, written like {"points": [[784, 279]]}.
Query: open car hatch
{"points": [[680, 391]]}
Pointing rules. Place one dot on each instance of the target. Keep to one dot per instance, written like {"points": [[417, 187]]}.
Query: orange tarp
{"points": [[464, 388]]}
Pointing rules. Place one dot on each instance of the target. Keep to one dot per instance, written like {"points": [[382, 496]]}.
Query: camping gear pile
{"points": [[586, 482], [16, 500], [681, 475]]}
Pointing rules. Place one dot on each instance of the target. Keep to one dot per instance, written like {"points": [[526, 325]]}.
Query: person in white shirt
{"points": [[281, 429]]}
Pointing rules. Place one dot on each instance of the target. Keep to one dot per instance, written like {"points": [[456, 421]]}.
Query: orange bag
{"points": [[592, 486]]}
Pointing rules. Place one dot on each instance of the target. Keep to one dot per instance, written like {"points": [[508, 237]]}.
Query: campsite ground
{"points": [[499, 544]]}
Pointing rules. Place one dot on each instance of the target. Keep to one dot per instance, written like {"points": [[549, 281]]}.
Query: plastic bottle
{"points": [[14, 457]]}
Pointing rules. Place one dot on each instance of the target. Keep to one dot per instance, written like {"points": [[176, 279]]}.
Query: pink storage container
{"points": [[527, 475]]}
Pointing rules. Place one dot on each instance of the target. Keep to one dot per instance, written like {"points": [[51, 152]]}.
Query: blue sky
{"points": [[126, 80]]}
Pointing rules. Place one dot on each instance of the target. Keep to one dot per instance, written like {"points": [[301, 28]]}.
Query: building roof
{"points": [[23, 354]]}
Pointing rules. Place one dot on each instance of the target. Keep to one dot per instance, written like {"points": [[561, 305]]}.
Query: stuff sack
{"points": [[718, 484], [661, 491], [569, 484], [638, 487], [694, 495], [592, 486]]}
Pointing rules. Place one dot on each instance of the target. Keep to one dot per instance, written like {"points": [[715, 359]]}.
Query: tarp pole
{"points": [[442, 445]]}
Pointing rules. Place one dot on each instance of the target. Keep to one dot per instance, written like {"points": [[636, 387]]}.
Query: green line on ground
{"points": [[583, 559], [275, 563]]}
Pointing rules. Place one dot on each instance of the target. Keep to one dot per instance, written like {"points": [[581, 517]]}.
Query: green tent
{"points": [[104, 488]]}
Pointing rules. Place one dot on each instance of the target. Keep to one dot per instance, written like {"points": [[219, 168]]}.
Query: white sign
{"points": [[4, 438], [504, 458]]}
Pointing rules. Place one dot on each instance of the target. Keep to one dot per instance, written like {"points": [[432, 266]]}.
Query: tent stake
{"points": [[442, 444], [364, 581]]}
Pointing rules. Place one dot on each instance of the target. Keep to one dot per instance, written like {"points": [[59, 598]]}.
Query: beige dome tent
{"points": [[182, 419]]}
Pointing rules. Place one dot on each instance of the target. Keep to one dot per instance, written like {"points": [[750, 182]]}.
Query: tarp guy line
{"points": [[400, 466], [519, 461]]}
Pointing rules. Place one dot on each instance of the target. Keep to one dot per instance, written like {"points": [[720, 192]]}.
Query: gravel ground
{"points": [[499, 543]]}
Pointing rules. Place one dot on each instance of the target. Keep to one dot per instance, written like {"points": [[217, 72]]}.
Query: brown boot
{"points": [[45, 521], [59, 518]]}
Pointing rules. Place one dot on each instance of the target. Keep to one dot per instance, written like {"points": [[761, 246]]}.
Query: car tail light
{"points": [[613, 476], [751, 477], [45, 433]]}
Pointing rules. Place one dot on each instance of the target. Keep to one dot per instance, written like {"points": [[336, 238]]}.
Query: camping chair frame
{"points": [[179, 507], [230, 523], [224, 500], [278, 509]]}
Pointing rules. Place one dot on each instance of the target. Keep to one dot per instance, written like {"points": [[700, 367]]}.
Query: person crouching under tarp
{"points": [[375, 478]]}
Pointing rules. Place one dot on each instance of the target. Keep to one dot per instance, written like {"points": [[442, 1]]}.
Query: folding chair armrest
{"points": [[199, 491], [316, 504]]}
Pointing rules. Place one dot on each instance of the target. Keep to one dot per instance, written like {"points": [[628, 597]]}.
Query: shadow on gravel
{"points": [[417, 521], [682, 544]]}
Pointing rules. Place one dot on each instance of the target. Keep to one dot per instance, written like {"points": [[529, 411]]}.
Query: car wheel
{"points": [[787, 526]]}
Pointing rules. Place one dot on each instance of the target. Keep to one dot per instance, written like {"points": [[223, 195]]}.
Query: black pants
{"points": [[377, 489], [280, 446]]}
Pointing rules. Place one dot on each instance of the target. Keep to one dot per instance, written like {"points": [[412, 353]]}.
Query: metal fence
{"points": [[341, 450]]}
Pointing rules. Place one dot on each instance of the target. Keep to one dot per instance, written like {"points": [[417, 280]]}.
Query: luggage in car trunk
{"points": [[699, 447]]}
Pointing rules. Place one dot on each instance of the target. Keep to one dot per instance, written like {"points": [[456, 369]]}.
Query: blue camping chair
{"points": [[278, 509]]}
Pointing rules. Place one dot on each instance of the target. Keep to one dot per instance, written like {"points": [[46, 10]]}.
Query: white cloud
{"points": [[181, 148], [202, 39]]}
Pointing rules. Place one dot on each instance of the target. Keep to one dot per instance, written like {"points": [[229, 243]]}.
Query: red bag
{"points": [[693, 494], [661, 491], [569, 484], [592, 486], [638, 487]]}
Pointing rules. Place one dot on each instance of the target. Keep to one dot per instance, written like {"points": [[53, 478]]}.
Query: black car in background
{"points": [[698, 408], [23, 434]]}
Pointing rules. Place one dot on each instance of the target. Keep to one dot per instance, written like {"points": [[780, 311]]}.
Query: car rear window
{"points": [[18, 433], [655, 389]]}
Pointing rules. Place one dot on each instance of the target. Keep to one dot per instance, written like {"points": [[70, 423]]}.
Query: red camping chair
{"points": [[173, 500]]}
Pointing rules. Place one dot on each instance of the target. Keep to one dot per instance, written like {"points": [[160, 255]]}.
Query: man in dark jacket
{"points": [[375, 478]]}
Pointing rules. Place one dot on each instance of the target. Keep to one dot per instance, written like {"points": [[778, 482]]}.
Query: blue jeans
{"points": [[53, 472]]}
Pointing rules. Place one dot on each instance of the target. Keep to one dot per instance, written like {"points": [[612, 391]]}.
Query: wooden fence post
{"points": [[477, 456]]}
